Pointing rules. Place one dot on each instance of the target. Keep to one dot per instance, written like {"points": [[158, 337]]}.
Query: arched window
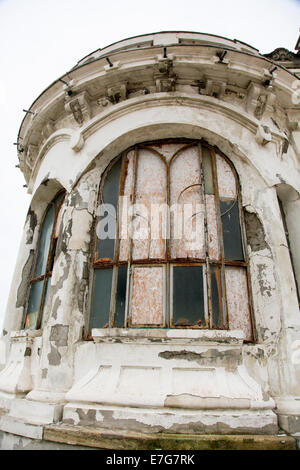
{"points": [[174, 254], [40, 281]]}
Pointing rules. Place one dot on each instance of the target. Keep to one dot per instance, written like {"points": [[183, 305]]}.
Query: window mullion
{"points": [[220, 239], [130, 249], [207, 305]]}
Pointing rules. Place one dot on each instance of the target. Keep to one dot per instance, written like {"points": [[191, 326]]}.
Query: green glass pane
{"points": [[110, 196], [232, 237], [101, 298], [44, 245], [121, 297], [188, 296], [111, 185], [207, 171], [106, 246], [34, 304]]}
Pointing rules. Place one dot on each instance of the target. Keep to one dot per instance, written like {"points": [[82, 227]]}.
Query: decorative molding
{"points": [[281, 54]]}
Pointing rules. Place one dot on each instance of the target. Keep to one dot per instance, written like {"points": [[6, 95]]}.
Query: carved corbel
{"points": [[76, 141], [117, 93], [165, 84], [260, 100], [215, 88], [78, 106], [263, 135], [293, 119], [164, 76]]}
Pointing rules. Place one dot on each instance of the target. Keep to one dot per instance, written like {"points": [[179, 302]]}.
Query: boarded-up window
{"points": [[176, 257]]}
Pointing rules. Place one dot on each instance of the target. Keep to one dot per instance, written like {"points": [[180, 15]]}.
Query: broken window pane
{"points": [[121, 297], [101, 297], [188, 296], [232, 238]]}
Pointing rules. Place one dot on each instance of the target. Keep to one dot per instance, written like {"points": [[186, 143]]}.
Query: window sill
{"points": [[175, 336]]}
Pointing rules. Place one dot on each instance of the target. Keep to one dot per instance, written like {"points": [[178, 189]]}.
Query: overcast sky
{"points": [[40, 40]]}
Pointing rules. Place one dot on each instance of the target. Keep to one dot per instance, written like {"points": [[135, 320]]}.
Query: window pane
{"points": [[232, 239], [34, 303], [45, 239], [110, 196], [216, 297], [207, 171], [106, 246], [101, 298], [188, 296], [121, 297]]}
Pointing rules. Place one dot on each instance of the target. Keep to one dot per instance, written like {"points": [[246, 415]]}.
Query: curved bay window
{"points": [[169, 246], [40, 281]]}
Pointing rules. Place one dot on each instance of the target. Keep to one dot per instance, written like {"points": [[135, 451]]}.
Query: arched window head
{"points": [[40, 281], [169, 249]]}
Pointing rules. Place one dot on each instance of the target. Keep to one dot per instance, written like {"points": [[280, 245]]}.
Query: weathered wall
{"points": [[67, 377]]}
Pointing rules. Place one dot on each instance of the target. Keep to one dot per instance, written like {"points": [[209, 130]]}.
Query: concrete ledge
{"points": [[14, 426], [289, 423], [127, 440]]}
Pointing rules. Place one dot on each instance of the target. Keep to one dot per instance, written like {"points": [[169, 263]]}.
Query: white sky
{"points": [[40, 40]]}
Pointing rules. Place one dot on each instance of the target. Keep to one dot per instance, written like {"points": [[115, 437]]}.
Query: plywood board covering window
{"points": [[177, 259]]}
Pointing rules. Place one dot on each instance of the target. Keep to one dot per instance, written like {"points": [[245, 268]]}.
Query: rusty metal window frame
{"points": [[168, 262], [50, 260]]}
